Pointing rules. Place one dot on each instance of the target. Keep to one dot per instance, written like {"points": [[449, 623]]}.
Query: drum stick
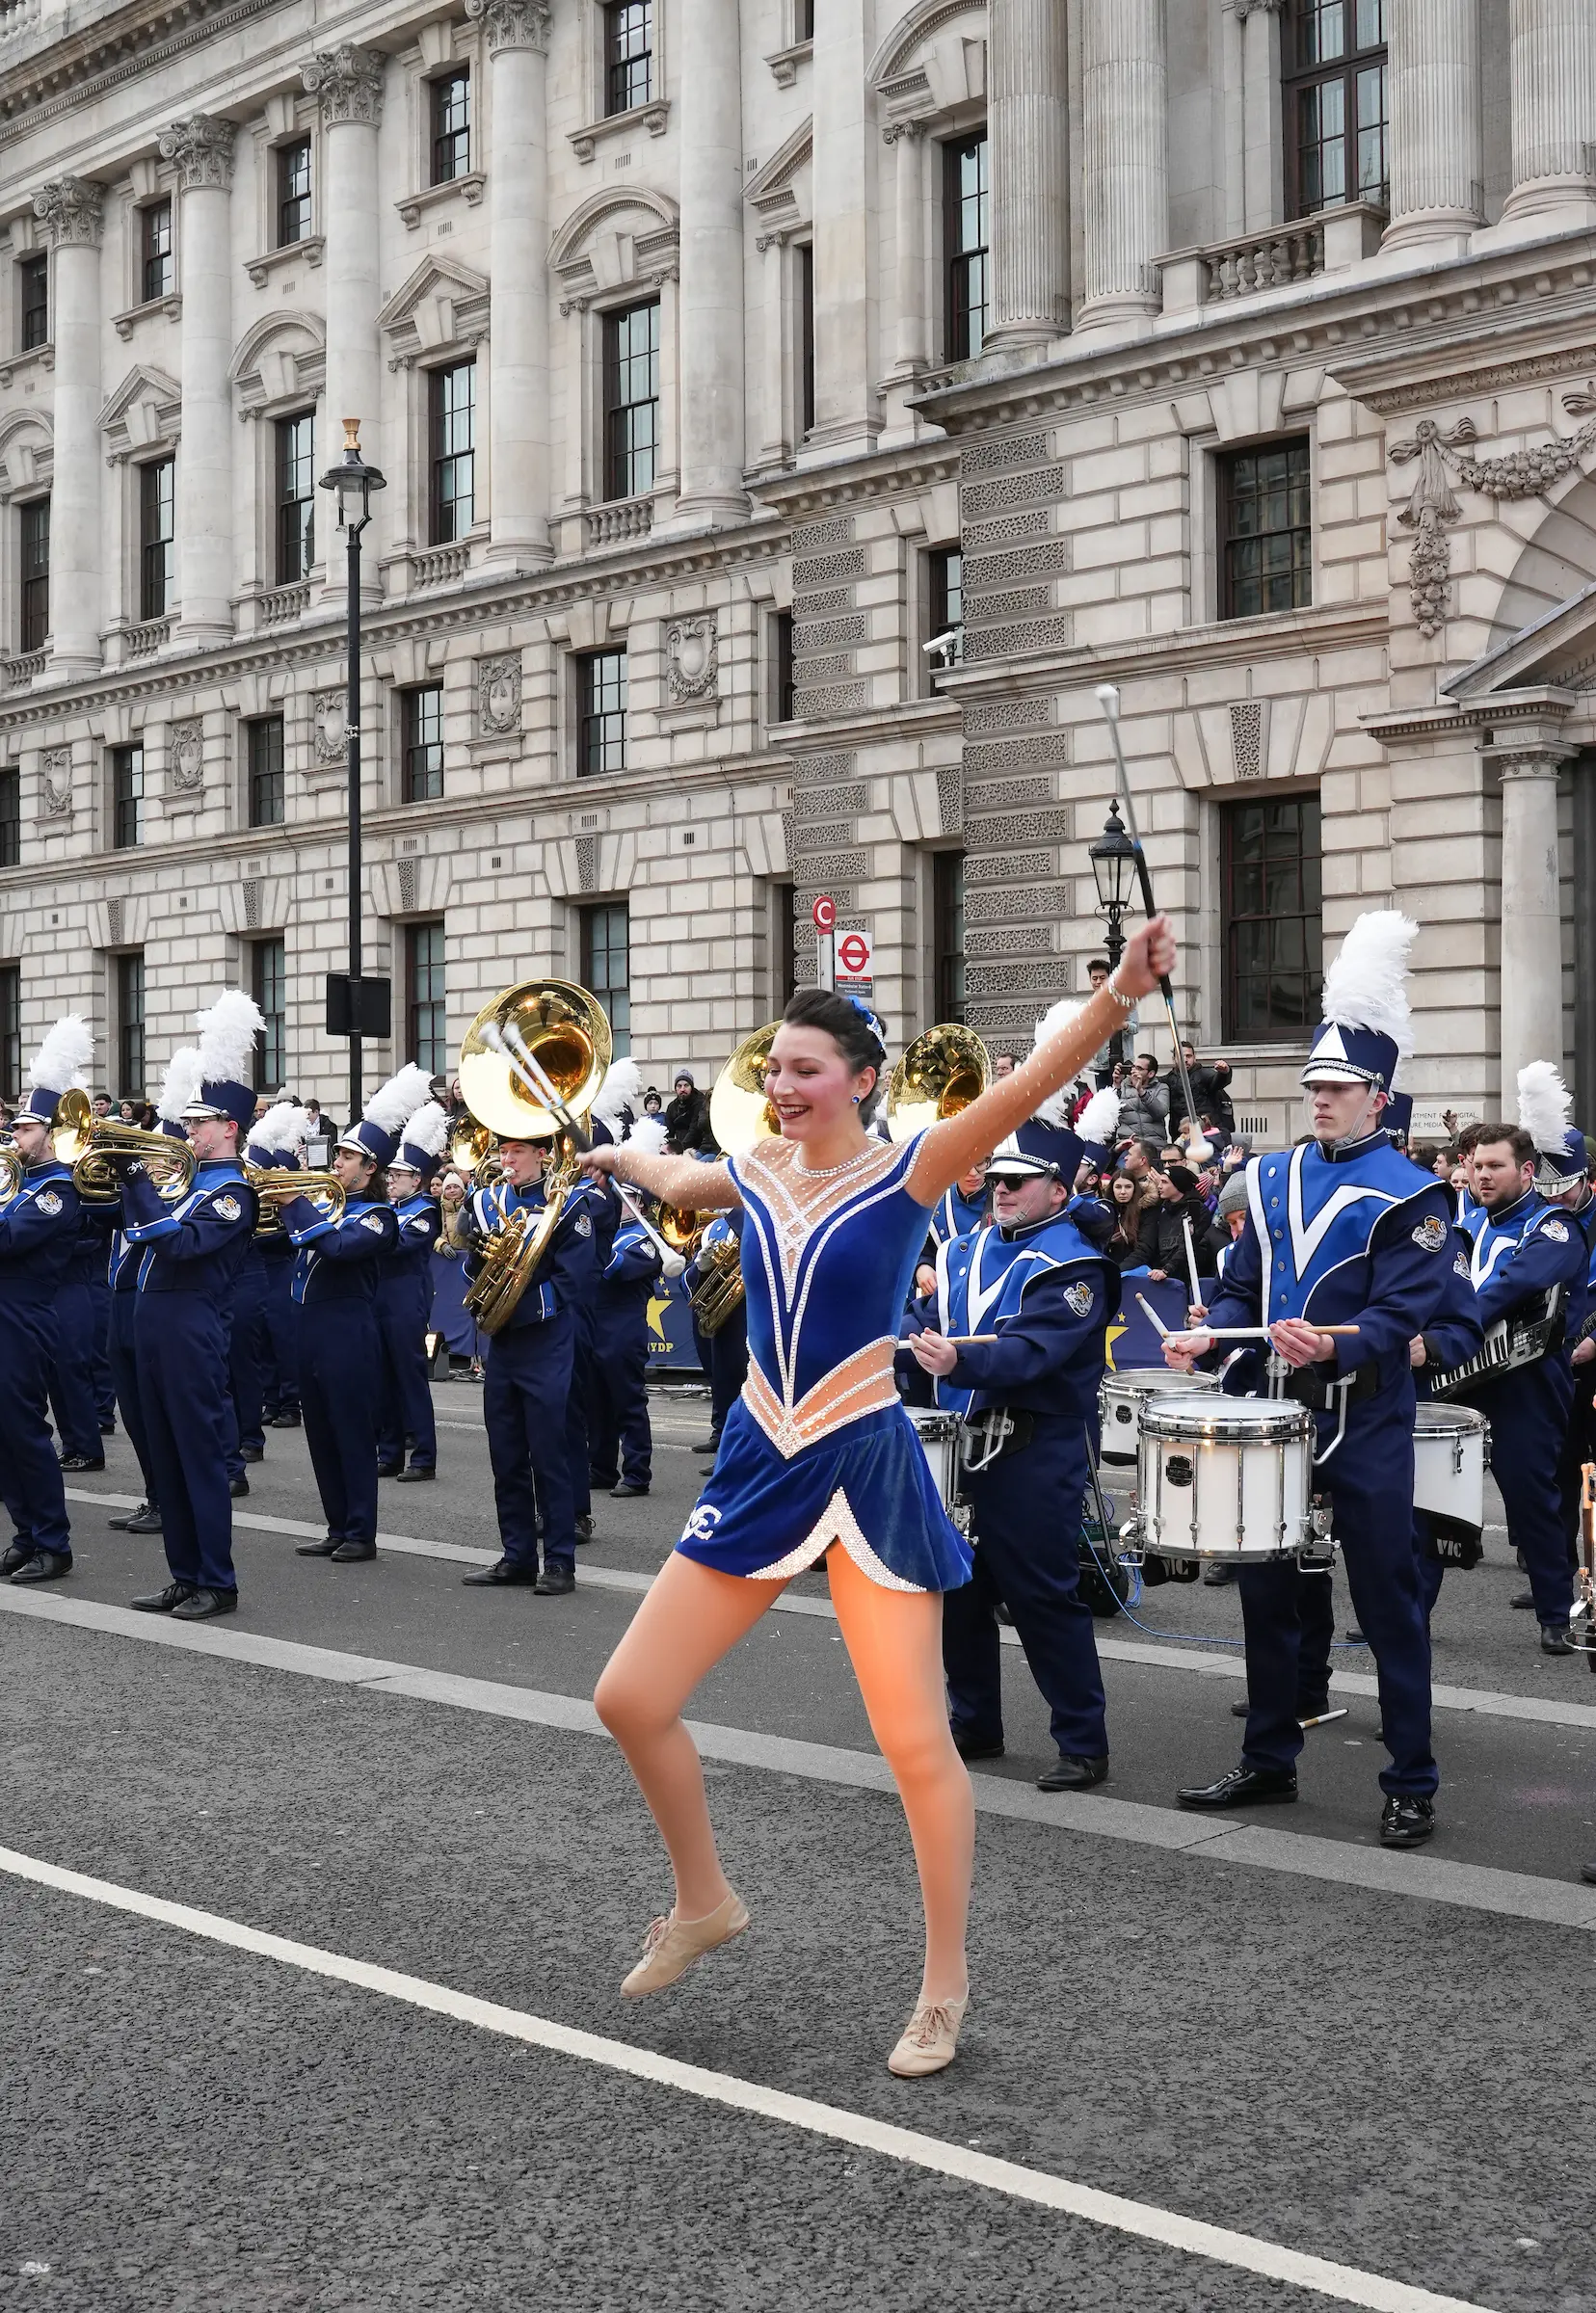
{"points": [[1151, 1313], [1245, 1333], [1191, 1255]]}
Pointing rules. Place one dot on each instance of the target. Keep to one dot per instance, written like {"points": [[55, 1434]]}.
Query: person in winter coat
{"points": [[1144, 1102], [1209, 1089], [1131, 1206], [1181, 1200], [687, 1117]]}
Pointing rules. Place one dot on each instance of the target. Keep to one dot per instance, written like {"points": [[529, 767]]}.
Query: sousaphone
{"points": [[942, 1071]]}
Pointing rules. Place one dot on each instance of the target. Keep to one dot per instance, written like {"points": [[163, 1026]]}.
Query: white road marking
{"points": [[1484, 1701], [1142, 2221], [1474, 1887]]}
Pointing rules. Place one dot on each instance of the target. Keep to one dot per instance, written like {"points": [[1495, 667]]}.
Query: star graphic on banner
{"points": [[1114, 1332], [658, 1304]]}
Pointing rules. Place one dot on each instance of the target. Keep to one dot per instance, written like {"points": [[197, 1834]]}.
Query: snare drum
{"points": [[1122, 1395], [1226, 1478], [938, 1432], [1450, 1447]]}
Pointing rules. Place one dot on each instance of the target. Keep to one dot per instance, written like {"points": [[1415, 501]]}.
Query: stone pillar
{"points": [[1552, 66], [709, 302], [349, 82], [518, 247], [1437, 136], [1261, 157], [913, 345], [1124, 172], [1027, 124], [846, 415], [202, 148], [776, 371], [1532, 910], [70, 210]]}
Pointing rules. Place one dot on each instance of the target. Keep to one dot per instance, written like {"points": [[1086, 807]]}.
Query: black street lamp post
{"points": [[351, 482], [1113, 858]]}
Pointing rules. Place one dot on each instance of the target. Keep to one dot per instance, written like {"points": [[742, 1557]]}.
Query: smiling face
{"points": [[810, 1085], [1017, 1203]]}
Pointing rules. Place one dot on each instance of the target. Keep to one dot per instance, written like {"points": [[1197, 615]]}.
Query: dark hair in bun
{"points": [[849, 1030]]}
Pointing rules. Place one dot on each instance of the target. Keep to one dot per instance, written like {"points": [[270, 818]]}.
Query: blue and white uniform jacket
{"points": [[564, 1277], [38, 1236], [1047, 1296], [338, 1261], [415, 1232], [719, 1229], [198, 1244], [955, 1215], [630, 1273], [1522, 1251]]}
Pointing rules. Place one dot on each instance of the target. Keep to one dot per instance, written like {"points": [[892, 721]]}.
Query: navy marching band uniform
{"points": [[620, 1446], [957, 1215], [404, 1309], [1454, 1335], [598, 1197], [73, 1392], [727, 1345]]}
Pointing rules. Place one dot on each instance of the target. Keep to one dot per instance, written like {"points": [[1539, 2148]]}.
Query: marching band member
{"points": [[1470, 1214], [622, 1444], [72, 1375], [610, 1119], [189, 1253], [1452, 1335], [819, 1460], [403, 1304], [39, 1236], [335, 1270], [962, 1209], [727, 1345], [1343, 1231], [1022, 1311]]}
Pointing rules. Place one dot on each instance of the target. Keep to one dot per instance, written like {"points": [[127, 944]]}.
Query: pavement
{"points": [[313, 1921]]}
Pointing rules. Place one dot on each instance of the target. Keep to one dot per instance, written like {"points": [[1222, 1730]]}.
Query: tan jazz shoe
{"points": [[930, 2038], [672, 1945]]}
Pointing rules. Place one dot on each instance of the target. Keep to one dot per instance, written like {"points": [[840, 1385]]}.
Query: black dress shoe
{"points": [[17, 1554], [252, 1454], [200, 1606], [970, 1748], [162, 1602], [1523, 1601], [1587, 1872], [323, 1548], [73, 1463], [1407, 1821], [145, 1519], [555, 1581], [706, 1446], [288, 1421], [1074, 1774], [43, 1566], [500, 1574], [416, 1476], [625, 1491], [238, 1486], [107, 1429], [602, 1481], [388, 1469], [584, 1527], [120, 1526], [1556, 1638], [1244, 1787], [350, 1553]]}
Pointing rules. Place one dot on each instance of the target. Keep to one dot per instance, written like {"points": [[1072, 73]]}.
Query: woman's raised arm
{"points": [[681, 1181]]}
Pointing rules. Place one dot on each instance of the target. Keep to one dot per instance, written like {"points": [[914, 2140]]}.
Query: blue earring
{"points": [[856, 1099]]}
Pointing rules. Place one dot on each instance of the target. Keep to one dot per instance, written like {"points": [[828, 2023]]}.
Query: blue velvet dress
{"points": [[818, 1448]]}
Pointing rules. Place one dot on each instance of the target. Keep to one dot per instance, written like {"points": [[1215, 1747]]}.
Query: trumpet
{"points": [[106, 1145], [278, 1184], [10, 1172]]}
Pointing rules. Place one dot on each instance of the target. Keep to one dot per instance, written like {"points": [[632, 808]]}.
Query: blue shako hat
{"points": [[421, 1147], [1367, 1027], [228, 1034], [387, 1114], [1398, 1114], [1545, 1106], [278, 1141], [60, 1065]]}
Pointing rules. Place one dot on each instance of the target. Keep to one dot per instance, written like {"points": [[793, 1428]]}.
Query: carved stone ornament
{"points": [[56, 793], [202, 148], [71, 211], [1441, 453], [186, 758], [329, 727], [513, 23], [499, 695], [1257, 7], [349, 81], [692, 660]]}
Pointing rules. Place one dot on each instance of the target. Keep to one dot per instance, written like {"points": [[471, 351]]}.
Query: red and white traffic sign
{"points": [[823, 914], [855, 958]]}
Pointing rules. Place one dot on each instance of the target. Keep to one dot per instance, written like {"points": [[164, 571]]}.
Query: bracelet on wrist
{"points": [[1126, 1003]]}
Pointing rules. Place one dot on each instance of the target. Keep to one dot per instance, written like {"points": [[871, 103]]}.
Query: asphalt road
{"points": [[1281, 2033]]}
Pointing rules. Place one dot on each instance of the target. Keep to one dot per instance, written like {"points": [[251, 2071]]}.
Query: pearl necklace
{"points": [[829, 1172]]}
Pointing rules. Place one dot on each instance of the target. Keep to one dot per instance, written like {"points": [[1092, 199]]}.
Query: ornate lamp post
{"points": [[351, 482], [1113, 858]]}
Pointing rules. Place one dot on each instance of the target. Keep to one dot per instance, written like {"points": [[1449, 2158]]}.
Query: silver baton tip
{"points": [[1107, 696]]}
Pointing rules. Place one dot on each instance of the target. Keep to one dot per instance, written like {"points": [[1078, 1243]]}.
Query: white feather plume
{"points": [[646, 1136], [63, 1060], [180, 1085], [287, 1126], [428, 1128], [228, 1031], [1056, 1108], [1545, 1106], [1059, 1017], [1099, 1121], [621, 1088], [1366, 987], [392, 1104]]}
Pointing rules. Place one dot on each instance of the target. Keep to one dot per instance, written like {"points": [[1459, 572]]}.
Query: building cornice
{"points": [[1542, 705], [803, 491], [65, 74], [904, 719], [1243, 642]]}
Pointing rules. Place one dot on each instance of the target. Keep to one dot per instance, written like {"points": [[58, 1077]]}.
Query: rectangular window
{"points": [[945, 608], [11, 816], [126, 797], [157, 269], [1273, 930], [451, 126], [34, 287], [157, 537], [293, 192], [1265, 531], [966, 238], [296, 498], [425, 1010], [34, 622], [784, 684], [631, 400], [130, 1027], [10, 1031], [269, 986], [607, 967], [263, 741], [602, 713], [803, 21], [1337, 106], [452, 394], [805, 256], [947, 932], [629, 54], [422, 713]]}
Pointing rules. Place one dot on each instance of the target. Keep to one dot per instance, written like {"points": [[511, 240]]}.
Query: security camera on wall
{"points": [[941, 647]]}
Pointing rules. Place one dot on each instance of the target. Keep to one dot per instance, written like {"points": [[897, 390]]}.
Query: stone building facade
{"points": [[718, 354]]}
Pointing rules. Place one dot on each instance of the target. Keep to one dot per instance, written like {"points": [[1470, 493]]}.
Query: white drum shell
{"points": [[1243, 1498], [1122, 1395], [1450, 1444], [938, 1433]]}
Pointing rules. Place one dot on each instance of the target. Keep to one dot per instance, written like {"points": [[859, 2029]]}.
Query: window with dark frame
{"points": [[631, 400], [157, 266], [783, 682], [600, 713], [421, 717], [269, 986], [426, 1010], [607, 966], [295, 442], [804, 256], [1272, 924], [33, 626], [628, 55], [157, 537], [130, 1025], [293, 192], [966, 239], [452, 433], [10, 1031], [126, 797], [34, 297], [803, 21], [1337, 104], [451, 126], [11, 816], [1266, 530], [947, 932], [268, 787], [944, 567]]}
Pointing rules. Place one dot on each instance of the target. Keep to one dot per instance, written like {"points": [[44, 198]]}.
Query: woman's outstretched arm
{"points": [[949, 1148], [681, 1181]]}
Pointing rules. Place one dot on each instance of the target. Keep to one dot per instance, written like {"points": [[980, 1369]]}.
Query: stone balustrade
{"points": [[630, 518]]}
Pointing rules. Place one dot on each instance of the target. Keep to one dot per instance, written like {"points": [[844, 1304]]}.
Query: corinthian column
{"points": [[349, 82], [1553, 70], [710, 301], [202, 148], [912, 328], [1437, 148], [1027, 104], [845, 410], [518, 249], [1125, 173], [1532, 911], [70, 210]]}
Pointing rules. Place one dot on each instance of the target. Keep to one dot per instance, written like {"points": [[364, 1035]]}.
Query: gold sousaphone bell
{"points": [[943, 1070]]}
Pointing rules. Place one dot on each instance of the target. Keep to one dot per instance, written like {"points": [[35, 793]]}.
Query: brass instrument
{"points": [[470, 1145], [720, 1289], [278, 1184], [97, 1174], [69, 1126], [739, 1112], [942, 1071], [10, 1172], [680, 1228]]}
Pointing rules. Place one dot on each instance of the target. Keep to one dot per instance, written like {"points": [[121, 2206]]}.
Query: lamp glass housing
{"points": [[1113, 861]]}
